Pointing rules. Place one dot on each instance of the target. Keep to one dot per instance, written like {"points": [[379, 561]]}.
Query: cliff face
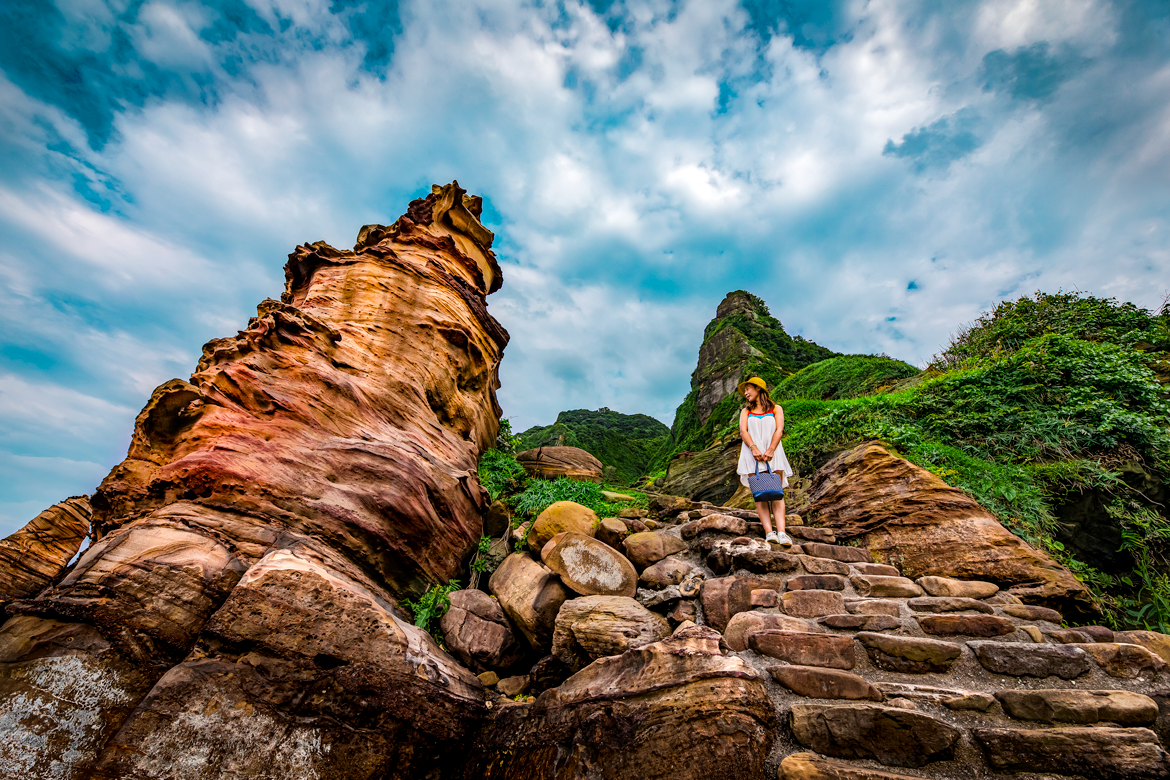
{"points": [[315, 467], [36, 555]]}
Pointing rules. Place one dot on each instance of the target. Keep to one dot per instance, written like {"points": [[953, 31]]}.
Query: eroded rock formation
{"points": [[237, 616], [36, 555], [911, 518]]}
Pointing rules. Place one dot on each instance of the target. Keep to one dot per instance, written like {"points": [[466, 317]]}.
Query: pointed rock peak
{"points": [[741, 302]]}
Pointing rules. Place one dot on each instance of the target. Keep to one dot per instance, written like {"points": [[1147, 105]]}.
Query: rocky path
{"points": [[869, 674]]}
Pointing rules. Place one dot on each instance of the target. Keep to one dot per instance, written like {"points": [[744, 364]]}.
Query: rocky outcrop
{"points": [[239, 603], [706, 475], [909, 517], [35, 556], [556, 462], [679, 708]]}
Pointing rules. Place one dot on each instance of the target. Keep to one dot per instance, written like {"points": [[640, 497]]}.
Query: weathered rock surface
{"points": [[561, 517], [650, 547], [812, 603], [895, 737], [706, 475], [555, 462], [35, 556], [1124, 661], [810, 766], [1158, 644], [968, 589], [966, 625], [1080, 707], [1020, 660], [913, 655], [595, 626], [477, 632], [667, 572], [530, 595], [612, 531], [678, 709], [742, 625], [590, 567], [725, 597], [805, 649], [1097, 752], [931, 529], [818, 683], [951, 604]]}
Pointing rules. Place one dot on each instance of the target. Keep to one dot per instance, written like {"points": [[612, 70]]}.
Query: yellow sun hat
{"points": [[755, 380]]}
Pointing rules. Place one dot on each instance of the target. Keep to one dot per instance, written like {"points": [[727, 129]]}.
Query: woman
{"points": [[762, 422]]}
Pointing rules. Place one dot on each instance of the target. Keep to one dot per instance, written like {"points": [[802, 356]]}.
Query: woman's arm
{"points": [[778, 413]]}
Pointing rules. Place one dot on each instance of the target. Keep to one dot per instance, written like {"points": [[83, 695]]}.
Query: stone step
{"points": [[815, 582], [861, 622], [1028, 612], [1082, 708], [877, 586], [819, 683], [890, 735], [945, 586], [838, 552], [949, 604], [810, 766], [832, 651], [907, 654], [1089, 751], [1031, 660], [874, 607], [966, 625], [879, 569], [951, 698]]}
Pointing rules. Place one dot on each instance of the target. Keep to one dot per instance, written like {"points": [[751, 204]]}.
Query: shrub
{"points": [[501, 474], [431, 606], [540, 493]]}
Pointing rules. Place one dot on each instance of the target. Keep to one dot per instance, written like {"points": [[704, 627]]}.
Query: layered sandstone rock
{"points": [[555, 462], [239, 604], [910, 517], [35, 555], [679, 709]]}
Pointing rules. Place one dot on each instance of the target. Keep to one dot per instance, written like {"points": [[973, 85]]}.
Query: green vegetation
{"points": [[540, 493], [626, 442], [500, 473], [1026, 419], [431, 606], [847, 376]]}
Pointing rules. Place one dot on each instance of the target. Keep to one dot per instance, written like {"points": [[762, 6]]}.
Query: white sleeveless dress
{"points": [[761, 427]]}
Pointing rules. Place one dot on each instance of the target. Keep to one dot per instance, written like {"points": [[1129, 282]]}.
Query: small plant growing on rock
{"points": [[431, 606]]}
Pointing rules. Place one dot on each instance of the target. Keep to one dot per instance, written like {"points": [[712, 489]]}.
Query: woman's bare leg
{"points": [[780, 516], [762, 509]]}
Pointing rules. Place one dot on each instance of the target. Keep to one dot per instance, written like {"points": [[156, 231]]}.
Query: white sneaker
{"points": [[772, 538], [783, 539]]}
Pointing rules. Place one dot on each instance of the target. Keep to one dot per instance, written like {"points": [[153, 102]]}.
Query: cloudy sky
{"points": [[879, 172]]}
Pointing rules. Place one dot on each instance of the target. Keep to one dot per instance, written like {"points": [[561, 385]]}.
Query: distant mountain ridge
{"points": [[626, 444]]}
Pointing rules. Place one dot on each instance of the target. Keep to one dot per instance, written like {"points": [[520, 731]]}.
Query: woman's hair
{"points": [[764, 399]]}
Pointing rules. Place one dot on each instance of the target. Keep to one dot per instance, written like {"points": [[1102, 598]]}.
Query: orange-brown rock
{"points": [[590, 567], [34, 556], [555, 462], [329, 450], [909, 516], [1158, 644], [594, 626], [678, 709]]}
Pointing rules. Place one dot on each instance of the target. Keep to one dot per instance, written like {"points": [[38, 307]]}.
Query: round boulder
{"points": [[590, 567], [559, 517]]}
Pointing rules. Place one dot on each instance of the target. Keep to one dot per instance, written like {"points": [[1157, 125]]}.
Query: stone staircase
{"points": [[874, 675]]}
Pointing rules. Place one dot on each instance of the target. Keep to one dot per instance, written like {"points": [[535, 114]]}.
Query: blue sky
{"points": [[879, 172]]}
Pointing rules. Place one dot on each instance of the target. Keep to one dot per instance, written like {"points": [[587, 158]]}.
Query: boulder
{"points": [[555, 462], [34, 556], [724, 524], [967, 589], [476, 632], [892, 736], [1089, 751], [650, 547], [1084, 708], [677, 709], [1031, 660], [742, 625], [1158, 644], [667, 572], [561, 517], [682, 611], [590, 567], [530, 595], [595, 626], [907, 654], [613, 532], [1123, 661], [726, 596], [497, 519], [907, 513], [817, 683]]}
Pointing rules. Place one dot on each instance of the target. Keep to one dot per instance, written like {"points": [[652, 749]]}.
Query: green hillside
{"points": [[1051, 411], [848, 376], [625, 442]]}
